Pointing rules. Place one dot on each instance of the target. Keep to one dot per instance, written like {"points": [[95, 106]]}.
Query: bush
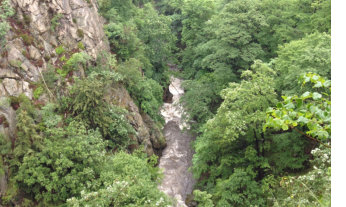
{"points": [[87, 104], [38, 92], [50, 77], [69, 162], [27, 39], [310, 54], [55, 22], [81, 46], [60, 50], [127, 181], [5, 11], [240, 189], [309, 189], [146, 92], [80, 33]]}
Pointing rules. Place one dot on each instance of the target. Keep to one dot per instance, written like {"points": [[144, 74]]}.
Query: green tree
{"points": [[124, 40], [291, 20], [313, 188], [147, 93], [233, 138], [159, 42], [128, 180], [194, 14], [87, 103], [309, 113], [230, 46], [233, 43], [69, 162], [203, 198], [310, 54]]}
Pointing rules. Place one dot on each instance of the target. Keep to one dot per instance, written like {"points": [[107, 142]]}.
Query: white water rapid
{"points": [[176, 157]]}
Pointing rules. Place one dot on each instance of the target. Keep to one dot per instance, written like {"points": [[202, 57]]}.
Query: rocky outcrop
{"points": [[148, 132], [38, 28]]}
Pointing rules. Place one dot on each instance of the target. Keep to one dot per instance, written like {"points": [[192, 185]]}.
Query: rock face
{"points": [[148, 133], [37, 29]]}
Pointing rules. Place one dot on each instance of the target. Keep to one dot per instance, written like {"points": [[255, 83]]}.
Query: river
{"points": [[176, 158]]}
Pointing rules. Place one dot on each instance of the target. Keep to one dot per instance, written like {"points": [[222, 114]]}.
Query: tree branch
{"points": [[310, 137]]}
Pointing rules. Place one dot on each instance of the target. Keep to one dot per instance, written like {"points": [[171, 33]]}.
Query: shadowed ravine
{"points": [[176, 157]]}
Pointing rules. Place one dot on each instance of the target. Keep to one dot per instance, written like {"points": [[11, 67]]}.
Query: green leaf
{"points": [[299, 102], [316, 96], [306, 95], [284, 127], [278, 113], [289, 106], [303, 120], [318, 84], [294, 123]]}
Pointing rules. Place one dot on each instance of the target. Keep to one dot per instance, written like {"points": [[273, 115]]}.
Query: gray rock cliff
{"points": [[37, 29]]}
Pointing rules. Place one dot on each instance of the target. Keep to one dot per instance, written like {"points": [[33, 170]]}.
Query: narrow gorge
{"points": [[165, 103], [176, 157]]}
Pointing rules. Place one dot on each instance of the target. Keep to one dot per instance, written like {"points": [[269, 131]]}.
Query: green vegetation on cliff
{"points": [[257, 94]]}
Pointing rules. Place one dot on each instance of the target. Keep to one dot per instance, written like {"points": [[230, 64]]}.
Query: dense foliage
{"points": [[128, 180], [5, 11], [257, 94], [229, 103]]}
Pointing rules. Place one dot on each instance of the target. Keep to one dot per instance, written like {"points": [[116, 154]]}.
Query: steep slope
{"points": [[38, 30]]}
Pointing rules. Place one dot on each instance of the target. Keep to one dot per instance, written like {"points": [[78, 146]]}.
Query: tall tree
{"points": [[232, 142]]}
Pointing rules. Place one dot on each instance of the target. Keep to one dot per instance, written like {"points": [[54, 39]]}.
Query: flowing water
{"points": [[176, 157]]}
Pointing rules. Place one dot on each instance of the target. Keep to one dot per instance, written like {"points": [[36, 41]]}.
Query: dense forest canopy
{"points": [[257, 94]]}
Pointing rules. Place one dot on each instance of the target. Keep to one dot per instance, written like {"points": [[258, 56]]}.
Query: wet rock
{"points": [[167, 96]]}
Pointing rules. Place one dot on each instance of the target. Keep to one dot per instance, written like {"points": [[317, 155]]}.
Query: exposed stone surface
{"points": [[41, 26], [7, 114], [34, 53], [148, 133]]}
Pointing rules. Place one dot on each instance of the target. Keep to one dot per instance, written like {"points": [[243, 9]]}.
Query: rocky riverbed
{"points": [[177, 156]]}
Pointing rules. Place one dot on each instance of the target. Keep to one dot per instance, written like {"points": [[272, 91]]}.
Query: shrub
{"points": [[55, 22], [127, 180], [27, 39], [86, 103], [50, 77], [147, 93], [80, 33], [63, 58], [60, 50], [5, 11], [67, 164], [81, 46], [27, 19], [38, 92]]}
